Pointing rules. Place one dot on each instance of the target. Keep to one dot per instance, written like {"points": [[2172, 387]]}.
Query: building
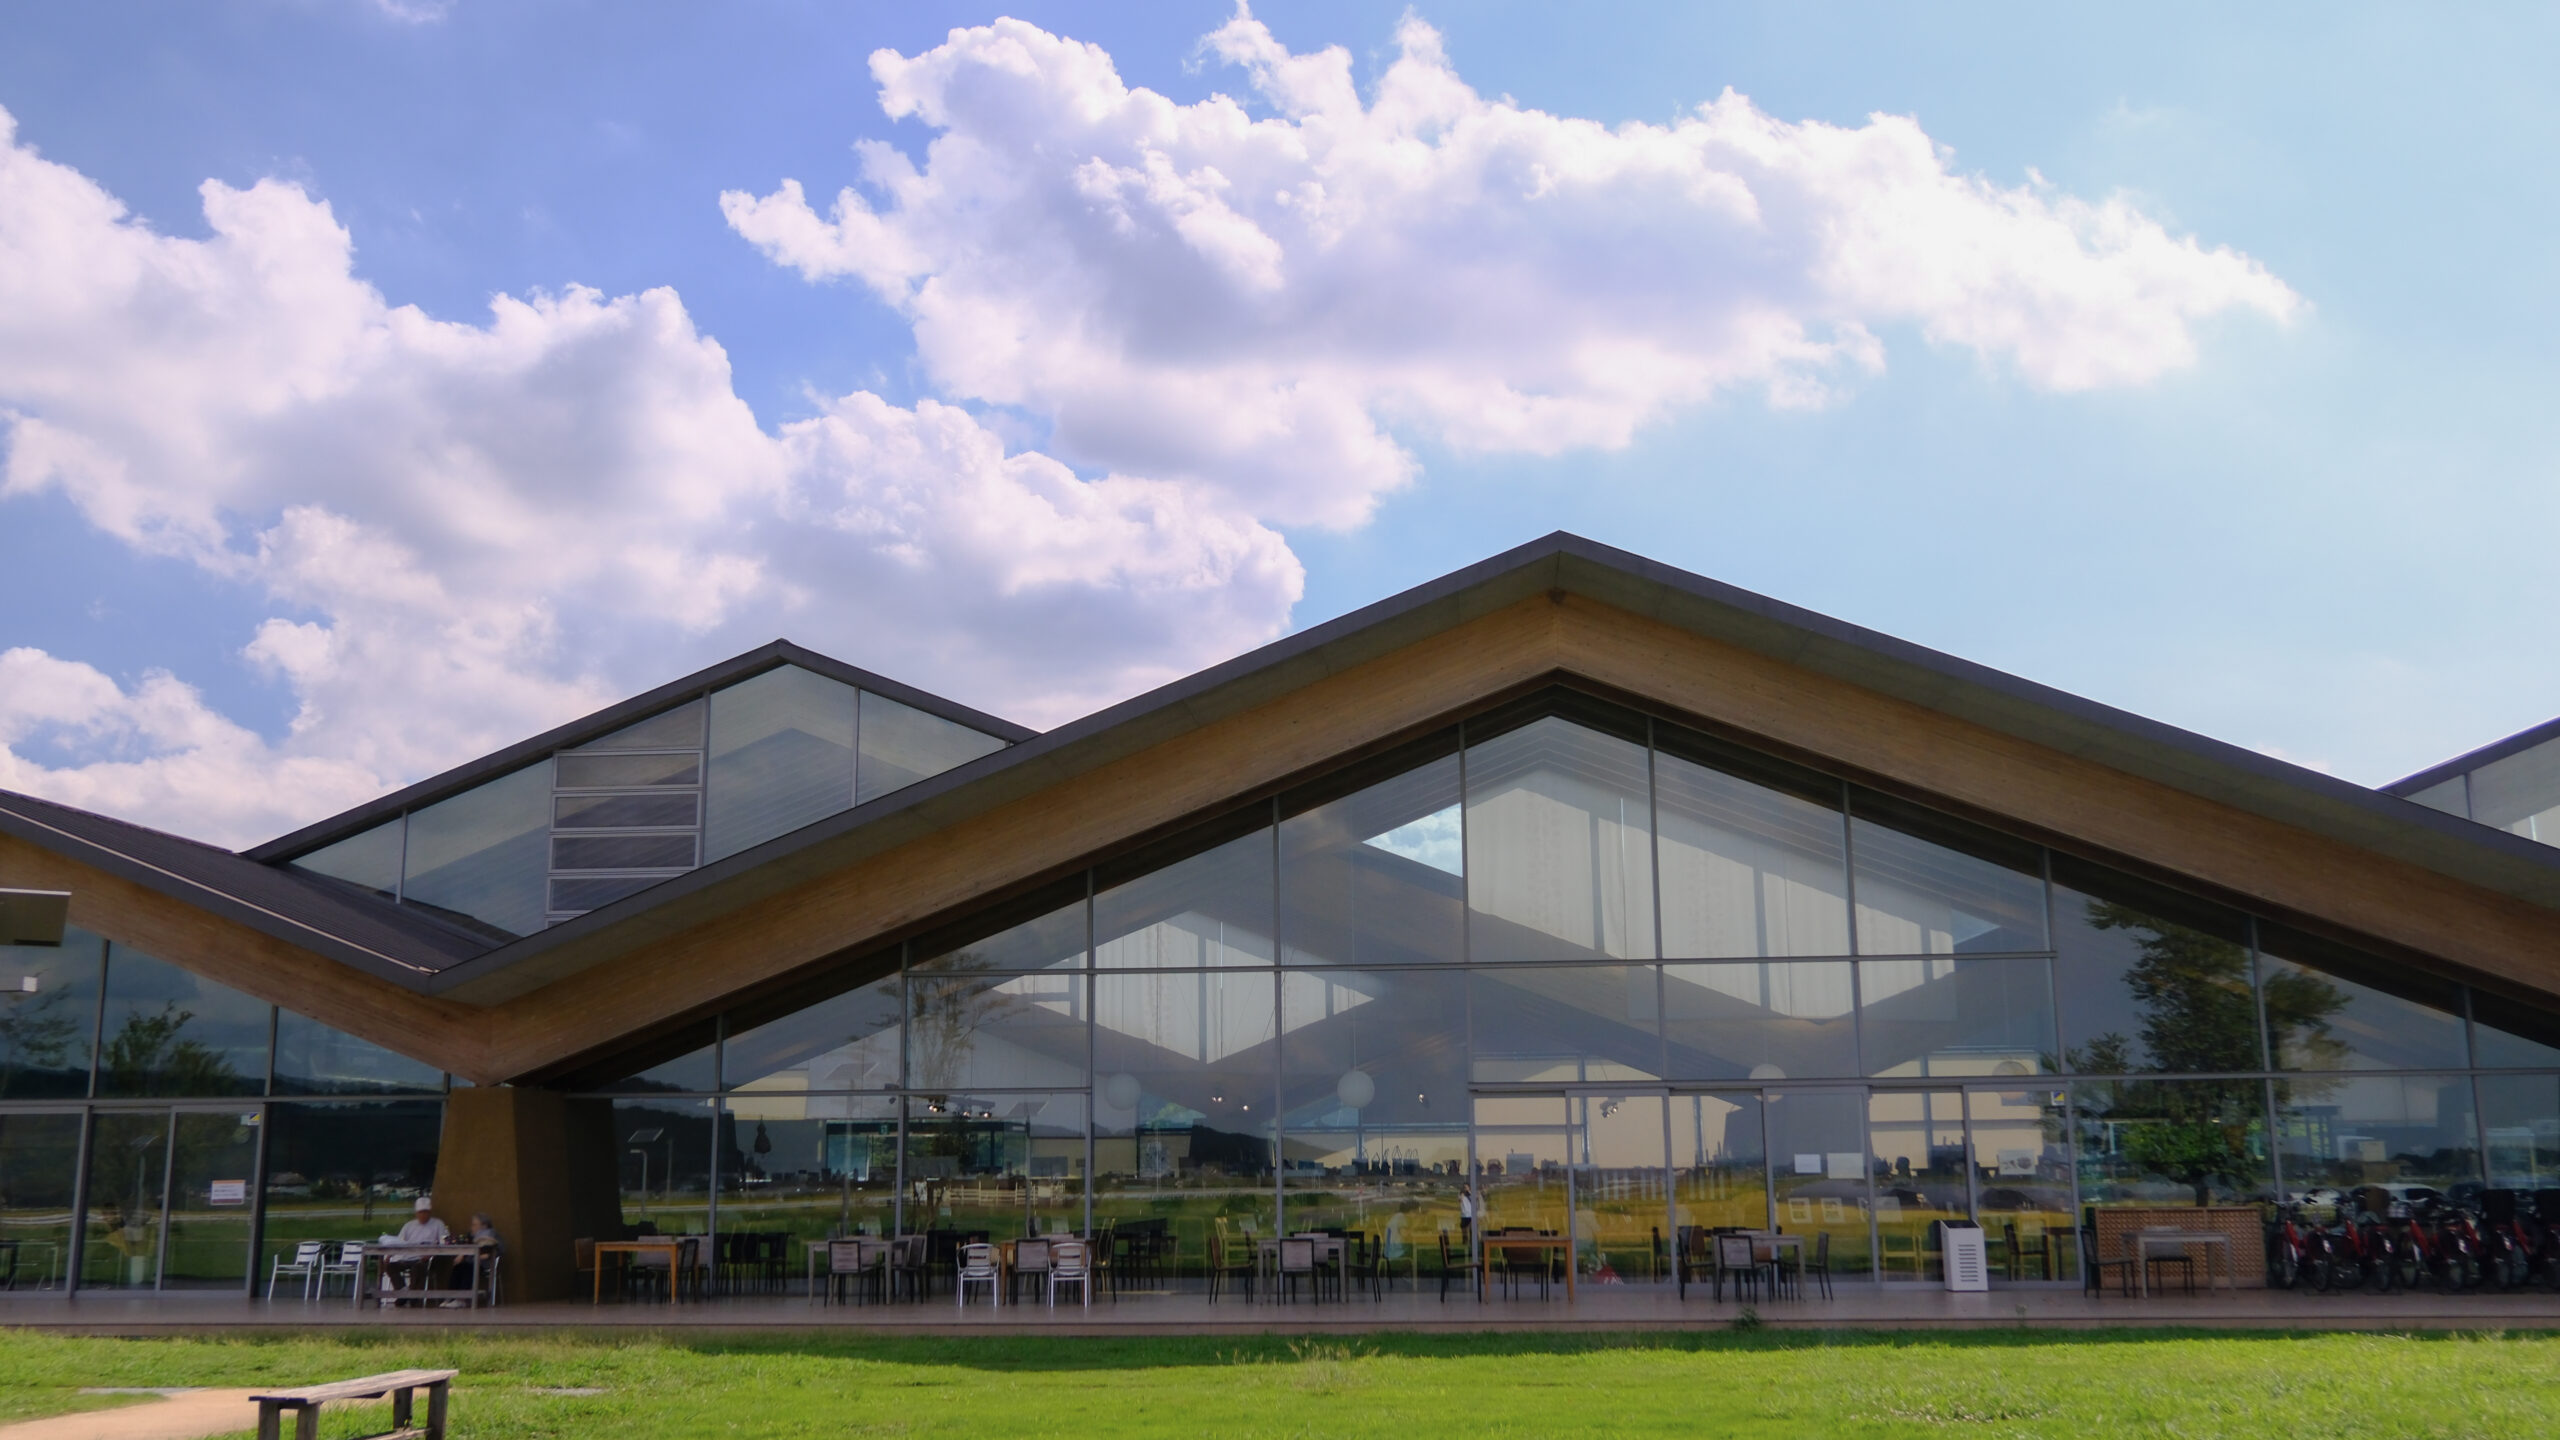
{"points": [[1630, 899]]}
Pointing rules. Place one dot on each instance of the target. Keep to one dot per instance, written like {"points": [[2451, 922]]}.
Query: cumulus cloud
{"points": [[474, 531], [1267, 301]]}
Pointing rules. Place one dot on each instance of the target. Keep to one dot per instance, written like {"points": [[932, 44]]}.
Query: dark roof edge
{"points": [[613, 717], [2488, 754]]}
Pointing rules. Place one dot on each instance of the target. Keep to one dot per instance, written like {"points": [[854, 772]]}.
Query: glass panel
{"points": [[2329, 1008], [849, 1042], [1918, 1137], [2149, 981], [1928, 885], [809, 1167], [1524, 1185], [1618, 1175], [370, 859], [677, 729], [2451, 796], [1566, 1024], [39, 1157], [664, 1150], [1368, 1054], [347, 1172], [1948, 1016], [2521, 793], [1759, 1020], [2520, 1115], [2172, 1142], [619, 772], [902, 745], [677, 810], [1559, 845], [2022, 1178], [170, 1033], [1212, 909], [1818, 1143], [622, 852], [1400, 1187], [2415, 1136], [2506, 1033], [315, 1059], [1748, 870], [998, 1165], [994, 1032], [1182, 1106], [128, 1171], [1375, 878], [1039, 933], [480, 855], [1720, 1176], [573, 895], [782, 747], [689, 1071], [48, 1013]]}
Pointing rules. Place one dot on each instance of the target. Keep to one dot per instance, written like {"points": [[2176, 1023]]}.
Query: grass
{"points": [[1750, 1384]]}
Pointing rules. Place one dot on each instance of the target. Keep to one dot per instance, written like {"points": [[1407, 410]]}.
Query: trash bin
{"points": [[1960, 1247]]}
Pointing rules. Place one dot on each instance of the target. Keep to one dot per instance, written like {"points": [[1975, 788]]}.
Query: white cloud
{"points": [[1260, 305], [477, 531]]}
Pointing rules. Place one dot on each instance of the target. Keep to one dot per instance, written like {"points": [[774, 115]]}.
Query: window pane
{"points": [[997, 1164], [1038, 933], [2149, 981], [1759, 1020], [2520, 1114], [1748, 869], [1719, 1168], [2331, 1008], [347, 1172], [1918, 1140], [1928, 885], [2172, 1142], [314, 1059], [2414, 1135], [1394, 1041], [677, 729], [810, 1166], [622, 852], [48, 1011], [209, 1202], [689, 1069], [2508, 1033], [902, 745], [994, 1032], [1212, 909], [482, 854], [128, 1168], [2451, 796], [596, 892], [1559, 845], [170, 1033], [2521, 793], [849, 1042], [583, 771], [39, 1158], [1376, 878], [1565, 1024], [370, 859], [626, 812], [1183, 1068], [664, 1149], [782, 748], [1521, 1179], [1617, 1175], [1401, 1190], [1944, 1016], [1818, 1147], [2022, 1161]]}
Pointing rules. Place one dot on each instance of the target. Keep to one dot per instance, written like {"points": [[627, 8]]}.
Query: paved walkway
{"points": [[180, 1415]]}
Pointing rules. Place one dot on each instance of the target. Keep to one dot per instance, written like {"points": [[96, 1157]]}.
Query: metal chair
{"points": [[1225, 1264], [305, 1264], [1067, 1267], [1469, 1266], [1030, 1262], [1821, 1263], [1297, 1261], [350, 1263], [1734, 1257], [977, 1267]]}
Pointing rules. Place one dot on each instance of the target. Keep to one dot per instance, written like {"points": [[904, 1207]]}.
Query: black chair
{"points": [[1821, 1263], [1297, 1260], [1470, 1267], [1224, 1264], [2018, 1254], [1734, 1259], [1689, 1257], [2093, 1267]]}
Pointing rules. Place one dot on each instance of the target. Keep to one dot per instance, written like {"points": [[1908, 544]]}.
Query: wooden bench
{"points": [[398, 1384]]}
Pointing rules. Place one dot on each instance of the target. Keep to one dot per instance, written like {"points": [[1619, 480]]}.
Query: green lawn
{"points": [[2126, 1383]]}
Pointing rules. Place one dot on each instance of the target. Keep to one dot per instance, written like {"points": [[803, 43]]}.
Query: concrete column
{"points": [[541, 1166]]}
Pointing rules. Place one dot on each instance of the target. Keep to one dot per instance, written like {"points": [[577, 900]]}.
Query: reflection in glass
{"points": [[2149, 981], [339, 1172], [1719, 1165], [809, 1166], [168, 1032], [664, 1150], [1211, 909], [128, 1180], [2022, 1170], [316, 1059], [2521, 793], [690, 1071], [1947, 1016], [1522, 1182], [482, 855], [2330, 1008], [1928, 885], [1617, 1174], [2172, 1142], [2451, 796], [2520, 1119], [902, 745], [1818, 1149], [1759, 1020], [369, 859], [1183, 1111], [676, 729], [1566, 1024], [782, 753], [209, 1201], [48, 1011], [1367, 1054], [39, 1158], [1402, 1190], [1044, 932], [1559, 845], [1000, 1165], [2507, 1034], [1748, 869], [2394, 1131], [1375, 878], [1918, 1141], [968, 1031], [846, 1042]]}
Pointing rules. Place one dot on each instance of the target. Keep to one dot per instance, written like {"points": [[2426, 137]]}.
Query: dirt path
{"points": [[185, 1415]]}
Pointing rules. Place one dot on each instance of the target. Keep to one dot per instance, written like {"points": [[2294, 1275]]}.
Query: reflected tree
{"points": [[150, 1054], [950, 1005], [36, 1033]]}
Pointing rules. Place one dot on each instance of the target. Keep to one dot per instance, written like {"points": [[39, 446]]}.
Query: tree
{"points": [[150, 1055]]}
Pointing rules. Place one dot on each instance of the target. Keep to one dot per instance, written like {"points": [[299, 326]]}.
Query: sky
{"points": [[381, 383]]}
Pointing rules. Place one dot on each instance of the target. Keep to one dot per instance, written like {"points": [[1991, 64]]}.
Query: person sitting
{"points": [[423, 1229], [484, 1234]]}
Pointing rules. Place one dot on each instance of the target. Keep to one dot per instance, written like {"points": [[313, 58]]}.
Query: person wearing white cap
{"points": [[423, 1229]]}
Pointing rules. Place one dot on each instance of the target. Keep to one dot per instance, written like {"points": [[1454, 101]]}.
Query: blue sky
{"points": [[2308, 511]]}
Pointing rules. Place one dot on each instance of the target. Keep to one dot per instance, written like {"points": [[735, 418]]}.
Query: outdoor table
{"points": [[1267, 1256], [2147, 1242], [673, 1245], [379, 1259], [1539, 1245]]}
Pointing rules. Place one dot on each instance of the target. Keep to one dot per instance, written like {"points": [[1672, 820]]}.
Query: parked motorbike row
{"points": [[2506, 1240]]}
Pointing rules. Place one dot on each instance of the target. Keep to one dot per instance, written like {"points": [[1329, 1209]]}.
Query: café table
{"points": [[1539, 1247], [1329, 1250], [380, 1260], [672, 1246], [2176, 1242]]}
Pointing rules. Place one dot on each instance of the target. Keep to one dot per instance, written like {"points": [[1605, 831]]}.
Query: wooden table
{"points": [[2148, 1242], [380, 1258], [1540, 1245], [673, 1245]]}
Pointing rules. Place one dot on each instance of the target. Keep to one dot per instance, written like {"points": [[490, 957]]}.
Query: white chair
{"points": [[1067, 1267], [350, 1263], [305, 1263], [977, 1267]]}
